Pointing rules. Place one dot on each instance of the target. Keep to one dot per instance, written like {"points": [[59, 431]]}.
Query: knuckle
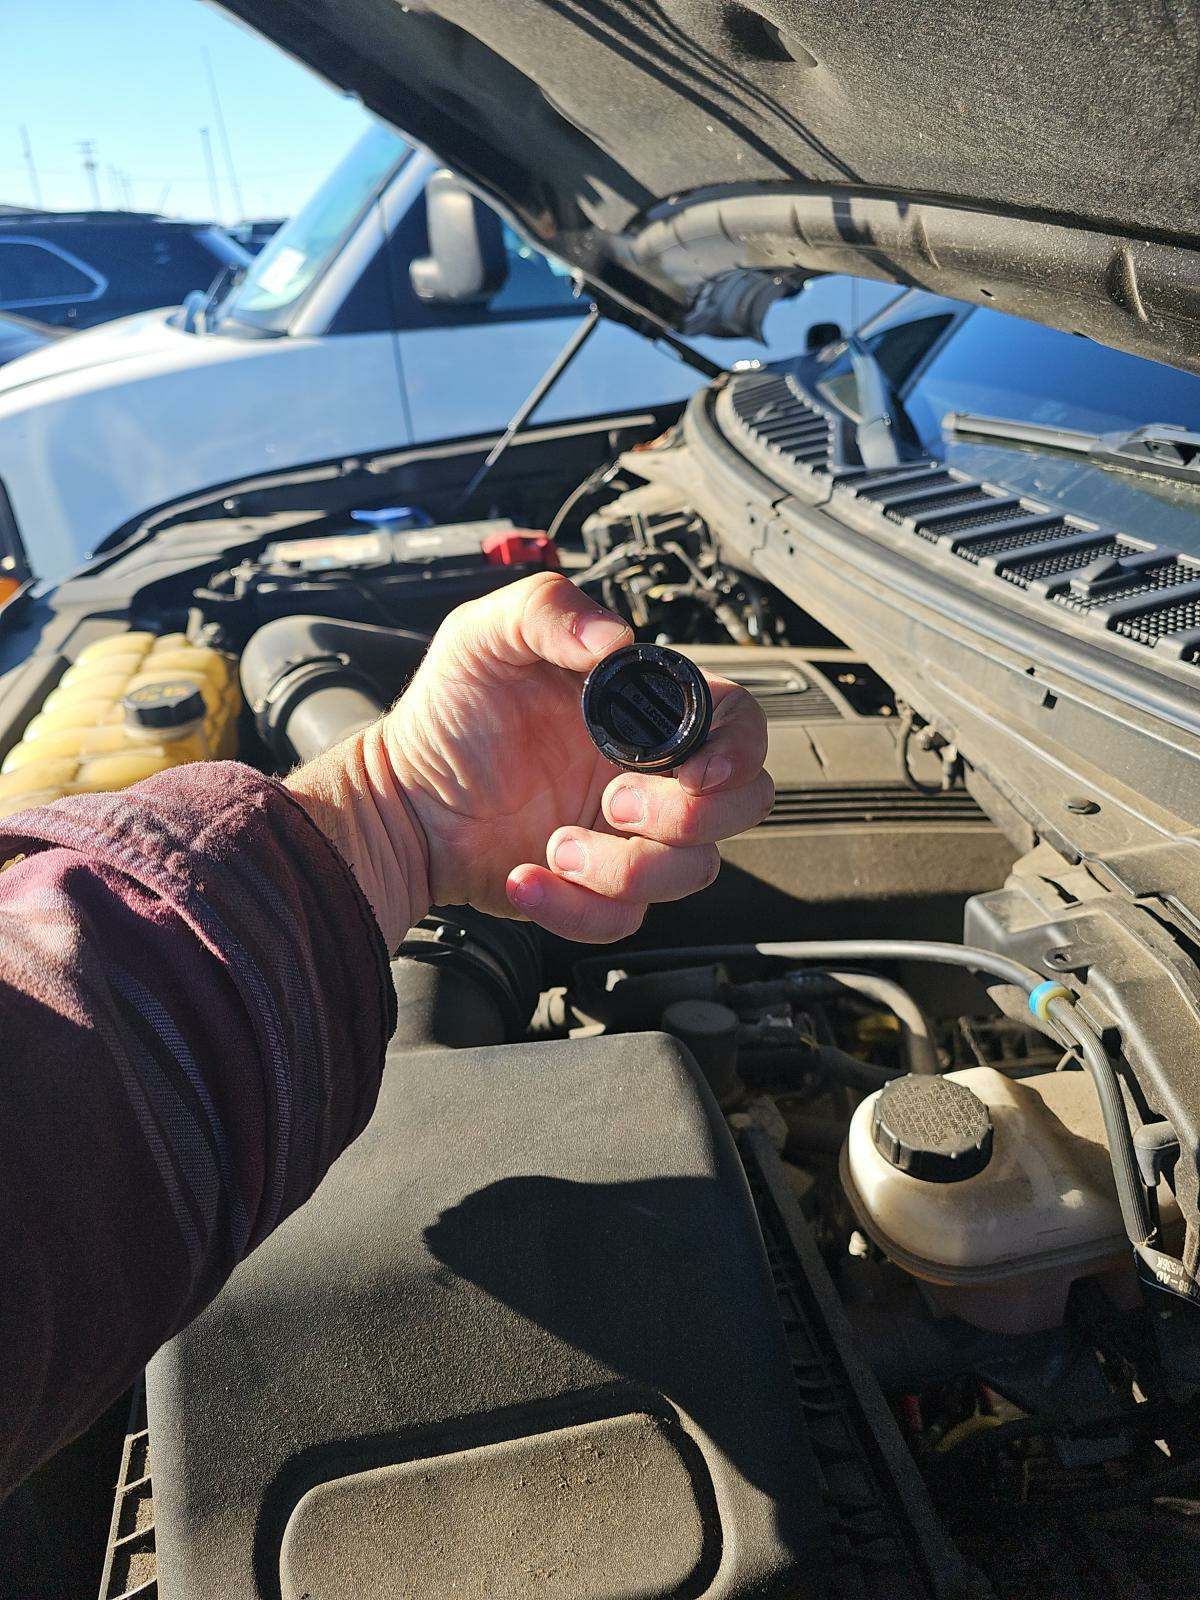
{"points": [[540, 589], [745, 712], [512, 600], [651, 870], [547, 582], [469, 614], [767, 798], [745, 705], [575, 924], [607, 924], [710, 865], [689, 819], [632, 870]]}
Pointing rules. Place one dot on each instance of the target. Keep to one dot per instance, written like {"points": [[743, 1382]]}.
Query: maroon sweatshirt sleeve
{"points": [[194, 1005]]}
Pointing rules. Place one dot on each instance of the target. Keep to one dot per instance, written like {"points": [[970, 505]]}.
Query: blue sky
{"points": [[130, 75]]}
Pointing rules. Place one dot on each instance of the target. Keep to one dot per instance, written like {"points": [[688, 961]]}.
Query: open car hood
{"points": [[694, 159]]}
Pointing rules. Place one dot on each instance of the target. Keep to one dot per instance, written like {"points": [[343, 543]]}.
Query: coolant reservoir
{"points": [[131, 705], [997, 1194]]}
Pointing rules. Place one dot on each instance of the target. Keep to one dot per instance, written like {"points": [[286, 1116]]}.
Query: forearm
{"points": [[195, 1006], [353, 795]]}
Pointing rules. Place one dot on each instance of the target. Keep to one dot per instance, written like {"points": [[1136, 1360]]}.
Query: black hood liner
{"points": [[588, 119]]}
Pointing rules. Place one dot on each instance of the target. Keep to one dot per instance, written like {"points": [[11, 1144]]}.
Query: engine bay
{"points": [[783, 1250]]}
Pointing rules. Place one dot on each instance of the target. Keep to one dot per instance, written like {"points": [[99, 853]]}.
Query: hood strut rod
{"points": [[532, 400]]}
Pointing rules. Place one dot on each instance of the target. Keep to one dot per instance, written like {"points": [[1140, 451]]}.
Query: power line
{"points": [[219, 115], [34, 184], [87, 148], [213, 190]]}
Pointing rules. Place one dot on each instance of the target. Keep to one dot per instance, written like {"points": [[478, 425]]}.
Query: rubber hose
{"points": [[311, 681], [864, 1076], [829, 950], [950, 955], [1131, 1192], [1063, 1021], [914, 1028], [823, 983]]}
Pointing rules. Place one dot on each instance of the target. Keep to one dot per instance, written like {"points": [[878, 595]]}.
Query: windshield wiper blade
{"points": [[1159, 448]]}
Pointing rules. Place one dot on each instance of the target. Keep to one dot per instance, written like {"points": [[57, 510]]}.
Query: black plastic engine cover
{"points": [[522, 1341]]}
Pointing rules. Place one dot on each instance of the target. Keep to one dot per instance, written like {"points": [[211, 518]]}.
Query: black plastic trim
{"points": [[1134, 586], [974, 653]]}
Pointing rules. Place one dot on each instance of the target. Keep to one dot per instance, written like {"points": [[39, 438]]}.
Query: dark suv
{"points": [[82, 268]]}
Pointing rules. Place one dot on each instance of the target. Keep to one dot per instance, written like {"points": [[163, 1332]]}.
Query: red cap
{"points": [[520, 547]]}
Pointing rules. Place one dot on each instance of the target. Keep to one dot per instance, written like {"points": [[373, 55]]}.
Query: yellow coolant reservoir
{"points": [[131, 705], [105, 740], [55, 773]]}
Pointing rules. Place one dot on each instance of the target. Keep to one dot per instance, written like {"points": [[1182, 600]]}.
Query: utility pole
{"points": [[87, 148], [162, 200], [114, 186], [219, 118], [34, 183], [213, 191]]}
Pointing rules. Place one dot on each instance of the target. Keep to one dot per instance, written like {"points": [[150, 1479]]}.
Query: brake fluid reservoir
{"points": [[995, 1193]]}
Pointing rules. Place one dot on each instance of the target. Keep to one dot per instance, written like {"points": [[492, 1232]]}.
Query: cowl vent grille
{"points": [[784, 424], [1106, 579]]}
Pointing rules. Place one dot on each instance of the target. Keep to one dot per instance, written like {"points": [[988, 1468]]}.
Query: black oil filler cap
{"points": [[932, 1128], [647, 708]]}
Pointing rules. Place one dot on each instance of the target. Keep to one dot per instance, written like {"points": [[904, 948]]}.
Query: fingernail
{"points": [[715, 773], [627, 805], [598, 633], [526, 893], [570, 856]]}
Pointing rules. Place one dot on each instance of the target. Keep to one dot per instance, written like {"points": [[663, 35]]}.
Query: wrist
{"points": [[354, 796]]}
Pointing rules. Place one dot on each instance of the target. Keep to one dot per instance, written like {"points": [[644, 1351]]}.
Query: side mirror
{"points": [[467, 262], [821, 334]]}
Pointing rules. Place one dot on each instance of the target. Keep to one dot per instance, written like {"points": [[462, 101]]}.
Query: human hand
{"points": [[483, 770]]}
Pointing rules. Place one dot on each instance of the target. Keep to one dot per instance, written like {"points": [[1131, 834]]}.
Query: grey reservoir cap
{"points": [[173, 703], [932, 1129]]}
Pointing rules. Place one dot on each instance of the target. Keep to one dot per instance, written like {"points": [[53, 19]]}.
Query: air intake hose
{"points": [[311, 681], [463, 978]]}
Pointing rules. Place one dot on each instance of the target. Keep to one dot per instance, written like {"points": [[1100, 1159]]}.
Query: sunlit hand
{"points": [[484, 770]]}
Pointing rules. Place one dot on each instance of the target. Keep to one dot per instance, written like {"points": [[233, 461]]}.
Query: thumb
{"points": [[543, 618]]}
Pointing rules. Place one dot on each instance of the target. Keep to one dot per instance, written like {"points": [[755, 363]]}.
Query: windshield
{"points": [[1003, 367], [941, 356], [301, 251]]}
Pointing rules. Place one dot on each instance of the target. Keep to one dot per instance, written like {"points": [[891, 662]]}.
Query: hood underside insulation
{"points": [[593, 120]]}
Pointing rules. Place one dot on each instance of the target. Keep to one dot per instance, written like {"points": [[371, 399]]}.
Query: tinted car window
{"points": [[899, 350], [31, 273], [533, 287], [1003, 367], [533, 283]]}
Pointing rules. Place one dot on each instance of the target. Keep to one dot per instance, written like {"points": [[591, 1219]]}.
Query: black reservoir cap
{"points": [[932, 1128], [647, 708], [173, 703]]}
